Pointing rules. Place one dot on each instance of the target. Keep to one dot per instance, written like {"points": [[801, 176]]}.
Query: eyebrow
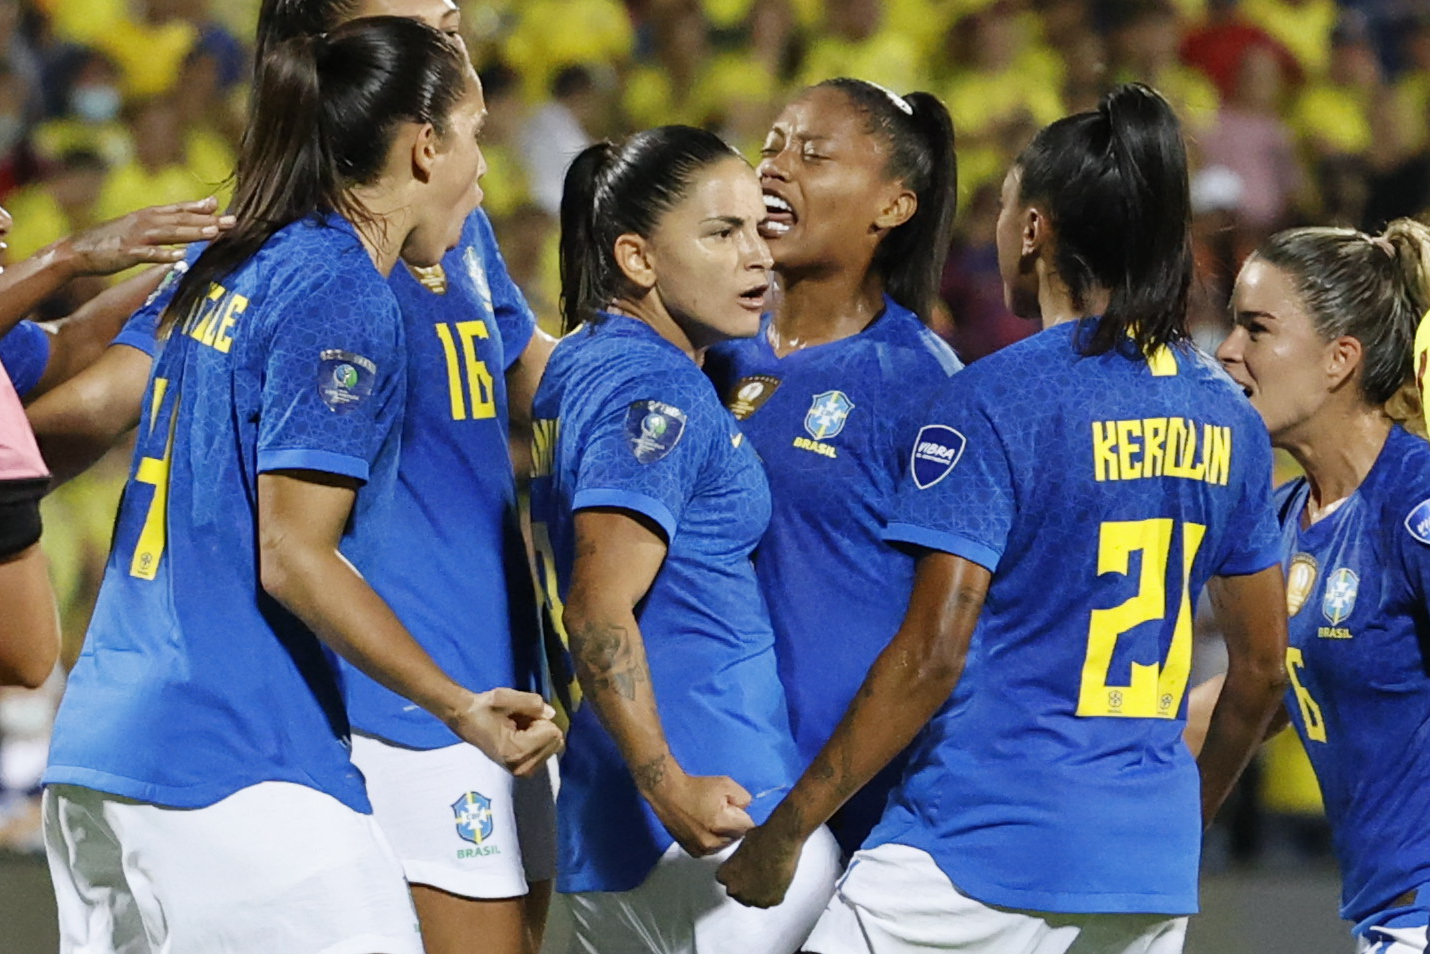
{"points": [[731, 220], [1246, 314]]}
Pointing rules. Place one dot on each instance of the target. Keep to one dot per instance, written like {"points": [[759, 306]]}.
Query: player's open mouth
{"points": [[779, 216], [753, 298]]}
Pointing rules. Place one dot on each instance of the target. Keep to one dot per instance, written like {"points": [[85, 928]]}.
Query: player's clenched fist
{"points": [[512, 727], [703, 813]]}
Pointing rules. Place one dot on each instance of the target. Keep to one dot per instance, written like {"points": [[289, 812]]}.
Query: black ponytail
{"points": [[283, 20], [920, 134], [325, 114], [1114, 182], [613, 190]]}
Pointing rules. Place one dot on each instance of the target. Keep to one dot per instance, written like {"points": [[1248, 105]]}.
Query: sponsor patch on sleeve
{"points": [[653, 429], [344, 379], [936, 450], [1418, 522]]}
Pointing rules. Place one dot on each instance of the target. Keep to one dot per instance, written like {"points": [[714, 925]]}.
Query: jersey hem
{"points": [[959, 546], [626, 500], [326, 461], [136, 341], [170, 796]]}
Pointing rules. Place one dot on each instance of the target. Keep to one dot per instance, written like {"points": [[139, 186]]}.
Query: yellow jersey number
{"points": [[1154, 691], [467, 375], [153, 535], [1310, 712]]}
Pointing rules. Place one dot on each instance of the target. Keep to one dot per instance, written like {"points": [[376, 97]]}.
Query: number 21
{"points": [[1153, 691]]}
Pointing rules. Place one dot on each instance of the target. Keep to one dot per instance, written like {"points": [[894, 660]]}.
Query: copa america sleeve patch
{"points": [[653, 429], [1418, 522], [344, 379], [936, 451]]}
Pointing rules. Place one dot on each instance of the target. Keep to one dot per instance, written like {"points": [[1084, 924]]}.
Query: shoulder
{"points": [[611, 367], [914, 346], [1403, 494]]}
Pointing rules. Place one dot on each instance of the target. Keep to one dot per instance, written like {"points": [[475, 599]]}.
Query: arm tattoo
{"points": [[605, 660], [648, 775]]}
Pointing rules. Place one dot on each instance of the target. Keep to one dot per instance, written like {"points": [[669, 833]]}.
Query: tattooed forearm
{"points": [[606, 660], [649, 774]]}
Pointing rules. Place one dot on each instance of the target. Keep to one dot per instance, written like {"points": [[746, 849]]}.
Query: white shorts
{"points": [[895, 900], [681, 909], [1409, 940], [274, 867], [457, 820]]}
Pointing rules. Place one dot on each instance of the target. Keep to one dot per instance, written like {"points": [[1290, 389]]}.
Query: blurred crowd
{"points": [[1296, 112]]}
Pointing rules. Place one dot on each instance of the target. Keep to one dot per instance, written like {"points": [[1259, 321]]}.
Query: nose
{"points": [[1229, 352], [756, 252], [775, 166]]}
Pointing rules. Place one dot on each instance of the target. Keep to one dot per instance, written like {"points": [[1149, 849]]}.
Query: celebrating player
{"points": [[477, 844], [203, 729], [1325, 323], [1069, 496], [860, 190], [652, 500]]}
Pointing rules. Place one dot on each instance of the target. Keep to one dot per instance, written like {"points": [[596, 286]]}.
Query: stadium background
{"points": [[1296, 111]]}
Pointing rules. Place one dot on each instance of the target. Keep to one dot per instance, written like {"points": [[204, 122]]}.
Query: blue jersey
{"points": [[451, 560], [833, 425], [193, 683], [1358, 593], [1101, 492], [625, 419], [25, 351], [138, 331]]}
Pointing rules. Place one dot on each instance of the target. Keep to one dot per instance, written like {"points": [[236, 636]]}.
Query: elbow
{"points": [[32, 670], [280, 568]]}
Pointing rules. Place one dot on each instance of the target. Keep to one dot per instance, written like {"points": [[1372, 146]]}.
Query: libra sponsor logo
{"points": [[1418, 522], [936, 451]]}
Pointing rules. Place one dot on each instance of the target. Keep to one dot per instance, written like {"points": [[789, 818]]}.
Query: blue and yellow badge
{"points": [[936, 449], [1340, 598], [344, 379], [653, 429], [473, 812], [827, 414]]}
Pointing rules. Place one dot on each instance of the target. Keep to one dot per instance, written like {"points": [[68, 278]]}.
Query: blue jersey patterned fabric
{"points": [[1101, 492], [450, 559], [193, 683], [1358, 593], [626, 420], [834, 425], [25, 351]]}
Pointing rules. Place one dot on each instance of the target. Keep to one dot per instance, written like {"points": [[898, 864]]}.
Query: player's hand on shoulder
{"points": [[760, 871], [147, 236], [513, 728], [703, 813]]}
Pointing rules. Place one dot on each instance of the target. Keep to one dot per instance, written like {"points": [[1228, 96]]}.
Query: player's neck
{"points": [[1056, 302], [818, 309], [1337, 452], [651, 311], [387, 228]]}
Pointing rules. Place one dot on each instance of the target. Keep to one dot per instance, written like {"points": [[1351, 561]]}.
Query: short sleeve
{"points": [[647, 447], [333, 379], [140, 330], [25, 353], [516, 322], [1412, 551], [1254, 542], [957, 494]]}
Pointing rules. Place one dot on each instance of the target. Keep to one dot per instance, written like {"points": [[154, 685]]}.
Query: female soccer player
{"points": [[652, 500], [1069, 496], [859, 187], [477, 845], [203, 728], [1325, 325]]}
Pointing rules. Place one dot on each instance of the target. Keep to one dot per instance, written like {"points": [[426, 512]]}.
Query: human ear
{"points": [[634, 260]]}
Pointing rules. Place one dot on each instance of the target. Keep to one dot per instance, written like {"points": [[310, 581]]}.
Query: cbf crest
{"points": [[1340, 598], [473, 813], [827, 414], [653, 429]]}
